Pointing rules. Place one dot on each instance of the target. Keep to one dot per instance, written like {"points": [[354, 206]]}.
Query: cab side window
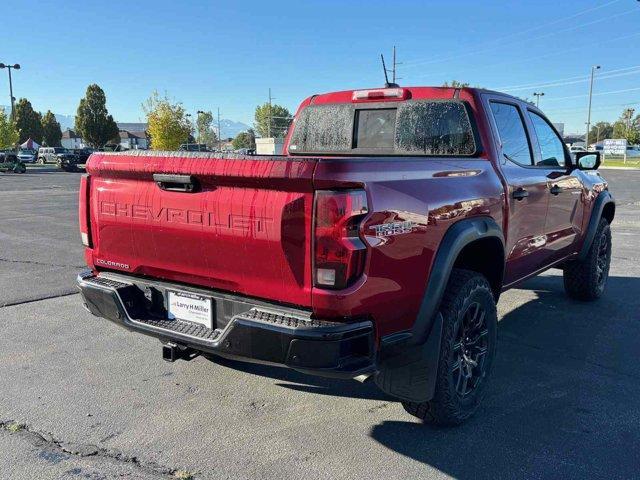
{"points": [[513, 136], [550, 145]]}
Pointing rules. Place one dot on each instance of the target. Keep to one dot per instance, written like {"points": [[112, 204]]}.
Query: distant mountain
{"points": [[229, 128], [65, 121]]}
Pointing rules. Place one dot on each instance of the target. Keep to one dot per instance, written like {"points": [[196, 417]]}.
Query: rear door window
{"points": [[513, 136]]}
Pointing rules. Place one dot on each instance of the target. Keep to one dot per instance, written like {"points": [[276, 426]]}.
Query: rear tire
{"points": [[586, 279], [468, 347]]}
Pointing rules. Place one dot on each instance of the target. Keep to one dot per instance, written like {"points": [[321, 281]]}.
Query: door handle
{"points": [[520, 193], [176, 183], [555, 190]]}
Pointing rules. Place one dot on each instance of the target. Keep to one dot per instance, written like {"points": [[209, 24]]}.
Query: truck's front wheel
{"points": [[585, 279], [468, 346]]}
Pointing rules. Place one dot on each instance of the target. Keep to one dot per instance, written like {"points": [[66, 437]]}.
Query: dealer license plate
{"points": [[190, 307]]}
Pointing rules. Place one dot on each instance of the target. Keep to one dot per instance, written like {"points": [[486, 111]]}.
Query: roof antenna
{"points": [[386, 77]]}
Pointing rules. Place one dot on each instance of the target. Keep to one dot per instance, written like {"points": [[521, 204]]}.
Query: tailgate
{"points": [[245, 228]]}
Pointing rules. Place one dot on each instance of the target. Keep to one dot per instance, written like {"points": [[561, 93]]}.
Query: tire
{"points": [[467, 295], [586, 279]]}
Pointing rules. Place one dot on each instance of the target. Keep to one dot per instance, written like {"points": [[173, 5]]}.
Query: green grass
{"points": [[14, 427], [183, 475], [619, 162]]}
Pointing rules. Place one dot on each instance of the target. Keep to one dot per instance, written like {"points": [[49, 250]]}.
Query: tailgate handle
{"points": [[176, 183]]}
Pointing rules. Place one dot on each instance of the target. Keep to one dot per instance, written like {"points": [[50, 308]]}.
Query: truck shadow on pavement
{"points": [[302, 382], [563, 400]]}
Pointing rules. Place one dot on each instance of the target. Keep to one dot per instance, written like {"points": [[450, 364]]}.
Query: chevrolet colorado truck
{"points": [[375, 247]]}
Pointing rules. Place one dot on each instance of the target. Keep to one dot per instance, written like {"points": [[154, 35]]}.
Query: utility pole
{"points": [[538, 95], [393, 70], [13, 100], [219, 133], [586, 138]]}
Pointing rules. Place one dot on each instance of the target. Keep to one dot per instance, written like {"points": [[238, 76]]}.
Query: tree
{"points": [[51, 131], [626, 127], [245, 140], [456, 84], [599, 131], [168, 124], [280, 120], [8, 132], [28, 121], [204, 131], [93, 122]]}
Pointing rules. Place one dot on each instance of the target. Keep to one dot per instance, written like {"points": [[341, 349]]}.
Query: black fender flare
{"points": [[458, 236], [408, 361], [603, 199]]}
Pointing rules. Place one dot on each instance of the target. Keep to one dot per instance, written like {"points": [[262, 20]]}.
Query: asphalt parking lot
{"points": [[94, 401]]}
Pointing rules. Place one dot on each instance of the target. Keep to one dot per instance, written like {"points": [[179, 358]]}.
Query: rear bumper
{"points": [[252, 331]]}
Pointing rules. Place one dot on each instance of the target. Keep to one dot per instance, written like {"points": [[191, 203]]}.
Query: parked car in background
{"points": [[82, 154], [193, 147], [377, 245], [60, 156], [27, 155], [114, 147], [633, 151], [245, 151], [10, 163], [574, 149]]}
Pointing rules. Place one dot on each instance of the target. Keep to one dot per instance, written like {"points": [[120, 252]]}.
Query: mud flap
{"points": [[411, 373]]}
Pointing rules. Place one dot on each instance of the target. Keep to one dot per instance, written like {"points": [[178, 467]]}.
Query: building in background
{"points": [[269, 146], [133, 140], [71, 139]]}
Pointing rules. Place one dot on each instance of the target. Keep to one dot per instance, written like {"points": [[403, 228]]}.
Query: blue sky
{"points": [[227, 54]]}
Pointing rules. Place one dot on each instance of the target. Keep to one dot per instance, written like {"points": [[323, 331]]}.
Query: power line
{"points": [[533, 85], [570, 81], [599, 107], [483, 50], [612, 92], [546, 55]]}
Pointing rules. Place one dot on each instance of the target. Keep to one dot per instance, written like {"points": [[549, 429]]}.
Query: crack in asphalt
{"points": [[39, 299], [44, 264], [50, 445]]}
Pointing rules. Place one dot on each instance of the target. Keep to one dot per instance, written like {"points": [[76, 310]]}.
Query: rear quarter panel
{"points": [[432, 193]]}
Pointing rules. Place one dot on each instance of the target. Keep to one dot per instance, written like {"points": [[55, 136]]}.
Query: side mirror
{"points": [[587, 160]]}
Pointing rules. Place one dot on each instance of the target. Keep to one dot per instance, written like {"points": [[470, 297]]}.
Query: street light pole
{"points": [[219, 134], [199, 112], [586, 138], [538, 95], [13, 100]]}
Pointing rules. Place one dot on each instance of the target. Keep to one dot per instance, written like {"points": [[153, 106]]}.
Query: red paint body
{"points": [[250, 228]]}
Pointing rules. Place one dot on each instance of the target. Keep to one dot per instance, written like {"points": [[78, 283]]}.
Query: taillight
{"points": [[83, 210], [339, 253], [380, 94]]}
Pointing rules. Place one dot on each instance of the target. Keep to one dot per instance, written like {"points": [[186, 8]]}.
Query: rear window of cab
{"points": [[411, 127]]}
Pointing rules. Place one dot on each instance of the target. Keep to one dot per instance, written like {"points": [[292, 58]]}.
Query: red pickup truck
{"points": [[376, 247]]}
